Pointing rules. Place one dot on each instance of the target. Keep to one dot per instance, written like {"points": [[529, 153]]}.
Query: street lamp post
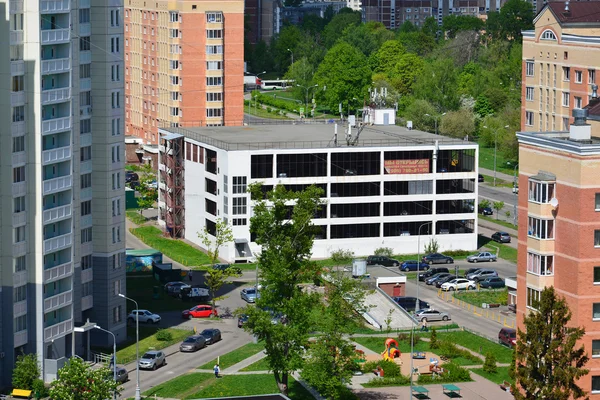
{"points": [[496, 148], [138, 395], [256, 105], [292, 59], [114, 355], [306, 88], [435, 120]]}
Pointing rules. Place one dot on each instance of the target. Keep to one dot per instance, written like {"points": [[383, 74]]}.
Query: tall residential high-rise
{"points": [[559, 64], [184, 65], [62, 225]]}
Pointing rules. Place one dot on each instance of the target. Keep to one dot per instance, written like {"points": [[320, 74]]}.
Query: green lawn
{"points": [[377, 344], [498, 221], [260, 365], [478, 344], [141, 289], [499, 182], [499, 377], [263, 113], [135, 217], [181, 386], [490, 296], [235, 356], [486, 160], [248, 385], [174, 249], [505, 251]]}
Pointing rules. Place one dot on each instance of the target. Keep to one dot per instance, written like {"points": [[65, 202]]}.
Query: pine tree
{"points": [[489, 365], [548, 359], [433, 339]]}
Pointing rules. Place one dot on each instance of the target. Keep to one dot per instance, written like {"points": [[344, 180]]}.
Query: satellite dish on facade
{"points": [[554, 202]]}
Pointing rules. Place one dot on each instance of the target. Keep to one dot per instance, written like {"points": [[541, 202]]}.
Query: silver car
{"points": [[483, 256], [152, 360], [122, 374], [431, 315], [248, 295]]}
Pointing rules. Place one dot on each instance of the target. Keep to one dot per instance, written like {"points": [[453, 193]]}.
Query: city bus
{"points": [[277, 84]]}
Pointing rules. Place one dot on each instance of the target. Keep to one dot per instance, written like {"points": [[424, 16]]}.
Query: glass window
{"points": [[542, 228], [529, 93], [533, 297], [539, 264], [578, 76], [18, 144], [239, 184], [595, 384], [528, 118], [19, 204], [597, 238], [540, 192], [20, 264], [596, 311], [566, 73], [239, 205], [529, 68]]}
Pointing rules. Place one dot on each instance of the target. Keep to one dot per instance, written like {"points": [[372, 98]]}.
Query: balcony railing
{"points": [[19, 218], [85, 84], [16, 37], [55, 6], [58, 184], [56, 66], [85, 111], [85, 167], [56, 155], [87, 302], [19, 308], [58, 272], [56, 125], [85, 139], [16, 6], [20, 338], [58, 330], [17, 98], [19, 158], [56, 36], [85, 57], [58, 243], [87, 275], [58, 301], [19, 278], [57, 213], [56, 95], [85, 29], [19, 189], [17, 67]]}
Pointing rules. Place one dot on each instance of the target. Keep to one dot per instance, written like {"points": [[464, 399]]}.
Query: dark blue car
{"points": [[411, 265]]}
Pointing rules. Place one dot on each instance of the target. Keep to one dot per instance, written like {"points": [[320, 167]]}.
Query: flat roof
{"points": [[307, 135], [560, 140]]}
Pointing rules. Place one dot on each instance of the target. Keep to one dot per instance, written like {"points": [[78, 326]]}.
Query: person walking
{"points": [[190, 275], [217, 370], [424, 326]]}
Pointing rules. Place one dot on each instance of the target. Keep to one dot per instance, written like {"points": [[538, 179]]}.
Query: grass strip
{"points": [[499, 377], [176, 250], [135, 217], [260, 365], [489, 296], [181, 386], [478, 344], [235, 356]]}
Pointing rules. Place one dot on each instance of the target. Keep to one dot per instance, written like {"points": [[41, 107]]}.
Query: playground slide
{"points": [[391, 350]]}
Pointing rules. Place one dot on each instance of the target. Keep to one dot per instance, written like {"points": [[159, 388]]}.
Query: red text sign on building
{"points": [[420, 166]]}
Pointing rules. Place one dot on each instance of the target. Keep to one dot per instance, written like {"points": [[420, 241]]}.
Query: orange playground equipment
{"points": [[391, 350]]}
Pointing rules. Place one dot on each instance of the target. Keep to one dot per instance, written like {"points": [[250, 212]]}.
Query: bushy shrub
{"points": [[163, 335], [384, 251], [405, 337], [390, 368], [269, 110], [433, 340], [449, 349], [458, 253], [489, 365], [342, 256], [452, 373], [39, 389], [400, 380]]}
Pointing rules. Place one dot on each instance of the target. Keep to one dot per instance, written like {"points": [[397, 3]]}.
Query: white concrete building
{"points": [[62, 225], [379, 191]]}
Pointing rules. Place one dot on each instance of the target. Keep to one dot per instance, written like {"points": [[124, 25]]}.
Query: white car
{"points": [[459, 284], [143, 316]]}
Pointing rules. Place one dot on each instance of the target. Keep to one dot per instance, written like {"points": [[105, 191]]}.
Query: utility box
{"points": [[359, 268], [130, 199]]}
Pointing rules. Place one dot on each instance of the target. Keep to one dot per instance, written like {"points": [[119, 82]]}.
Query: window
{"points": [[19, 174], [21, 323], [115, 72], [174, 64], [548, 35], [117, 314], [85, 126], [214, 96], [175, 33], [87, 289], [84, 43], [239, 221], [214, 81], [116, 126], [597, 238], [114, 44], [85, 71], [578, 102], [116, 207], [239, 205], [529, 118], [86, 235], [85, 153], [116, 99], [116, 181], [20, 264], [539, 264], [84, 15], [529, 68], [117, 287], [565, 99], [116, 261], [596, 311], [214, 65], [213, 17], [529, 93], [239, 184], [86, 262], [533, 297], [541, 228], [86, 181], [19, 293], [540, 192], [175, 111], [214, 112], [214, 49], [17, 84], [116, 153], [578, 76], [114, 17], [591, 76], [18, 114], [18, 144], [19, 234], [173, 16], [214, 33], [566, 73], [86, 207], [19, 204], [175, 80]]}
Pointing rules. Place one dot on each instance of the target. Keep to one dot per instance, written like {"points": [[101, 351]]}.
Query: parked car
{"points": [[480, 178], [492, 283], [411, 265], [242, 319], [408, 303], [152, 185], [192, 343], [131, 176], [482, 274], [459, 284], [228, 267], [152, 360], [248, 295], [143, 316], [134, 184], [507, 337], [486, 211], [122, 374], [437, 258], [196, 293], [431, 315], [211, 335], [382, 260], [431, 280], [431, 272], [441, 281], [174, 288], [199, 311], [501, 237], [482, 256]]}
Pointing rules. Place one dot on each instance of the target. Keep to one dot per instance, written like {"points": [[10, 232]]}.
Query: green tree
{"points": [[215, 279], [458, 124], [345, 73], [430, 27], [367, 37], [549, 359], [301, 72], [405, 73], [484, 203], [79, 381], [385, 59], [147, 192], [416, 42], [433, 339], [26, 371], [438, 85], [312, 24], [288, 38], [483, 108], [452, 24], [497, 205], [515, 16], [334, 29], [214, 240], [417, 113], [284, 263], [489, 365]]}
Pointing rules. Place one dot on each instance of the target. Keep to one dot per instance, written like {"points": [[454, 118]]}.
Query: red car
{"points": [[199, 311]]}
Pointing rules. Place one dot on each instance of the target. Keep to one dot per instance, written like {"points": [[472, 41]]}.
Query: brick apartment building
{"points": [[184, 64]]}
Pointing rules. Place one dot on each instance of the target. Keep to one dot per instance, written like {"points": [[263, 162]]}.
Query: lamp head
{"points": [[121, 295]]}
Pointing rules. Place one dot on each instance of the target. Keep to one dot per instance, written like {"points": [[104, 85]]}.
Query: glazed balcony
{"points": [[58, 243], [58, 330], [57, 214], [56, 125], [53, 96], [56, 155], [57, 301], [58, 272], [58, 184], [56, 36]]}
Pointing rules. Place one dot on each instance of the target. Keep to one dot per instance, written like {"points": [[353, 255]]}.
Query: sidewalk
{"points": [[499, 175], [497, 227]]}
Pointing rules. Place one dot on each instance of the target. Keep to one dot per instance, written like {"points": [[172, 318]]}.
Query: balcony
{"points": [[19, 219], [19, 158], [85, 4], [85, 167], [17, 98], [17, 128], [87, 302], [58, 330], [85, 194], [58, 272], [56, 36], [16, 37], [57, 214], [85, 140], [56, 155], [16, 6], [85, 29], [56, 66], [19, 278], [56, 95], [20, 338], [19, 308], [87, 275], [57, 301], [19, 249], [85, 84], [85, 57], [58, 243], [17, 67], [19, 189], [85, 111], [85, 221], [58, 184], [56, 125], [55, 6]]}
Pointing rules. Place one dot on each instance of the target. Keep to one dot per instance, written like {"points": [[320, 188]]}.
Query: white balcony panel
{"points": [[56, 66], [17, 98], [87, 275], [85, 57], [86, 221], [56, 125], [16, 6], [57, 213], [55, 6], [20, 338], [58, 184], [58, 272], [58, 301], [86, 248], [58, 243], [17, 68], [56, 155], [86, 193], [19, 159], [19, 249], [85, 84], [19, 189], [19, 278], [19, 219], [16, 37], [17, 128], [56, 36], [84, 3], [56, 95], [85, 167], [85, 140], [85, 29], [87, 302], [58, 330], [19, 308]]}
